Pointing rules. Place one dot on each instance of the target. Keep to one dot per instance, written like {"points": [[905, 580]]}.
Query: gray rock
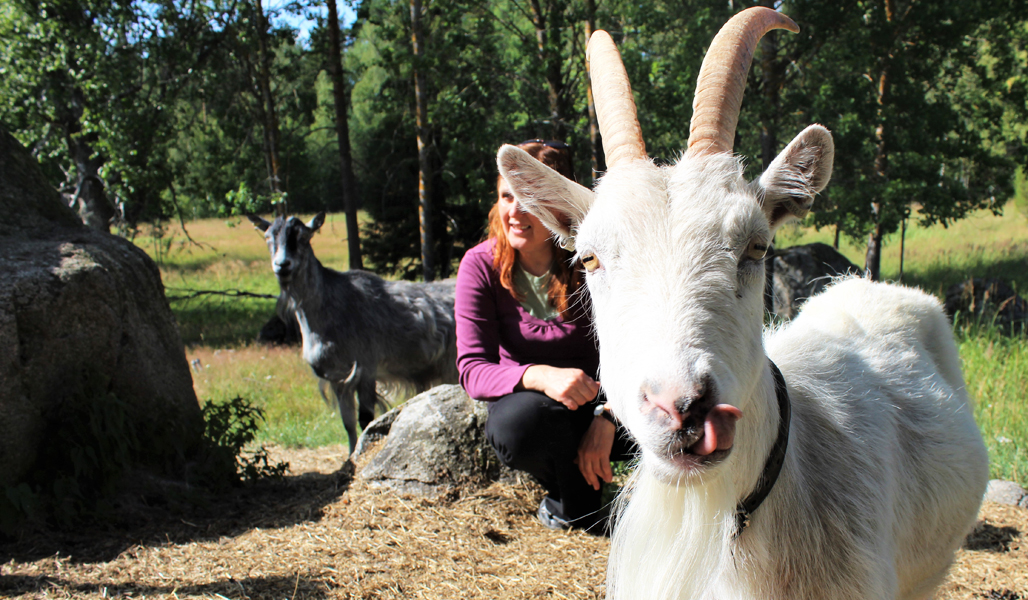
{"points": [[1005, 492], [77, 303], [436, 441], [802, 271], [375, 431], [991, 300]]}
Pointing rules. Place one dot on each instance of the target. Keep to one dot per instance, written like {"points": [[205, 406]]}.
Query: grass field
{"points": [[230, 255]]}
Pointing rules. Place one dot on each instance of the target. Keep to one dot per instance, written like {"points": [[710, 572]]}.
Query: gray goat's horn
{"points": [[615, 107], [719, 88]]}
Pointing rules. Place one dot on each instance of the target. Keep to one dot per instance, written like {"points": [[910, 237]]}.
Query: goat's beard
{"points": [[672, 540]]}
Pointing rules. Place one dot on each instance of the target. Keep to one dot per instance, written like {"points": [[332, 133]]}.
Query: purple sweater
{"points": [[497, 339]]}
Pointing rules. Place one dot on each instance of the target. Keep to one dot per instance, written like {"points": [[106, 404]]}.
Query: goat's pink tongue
{"points": [[718, 430]]}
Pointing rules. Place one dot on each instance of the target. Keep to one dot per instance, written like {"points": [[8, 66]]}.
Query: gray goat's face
{"points": [[674, 260], [289, 242]]}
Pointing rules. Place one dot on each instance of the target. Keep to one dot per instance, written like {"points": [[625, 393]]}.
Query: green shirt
{"points": [[534, 291]]}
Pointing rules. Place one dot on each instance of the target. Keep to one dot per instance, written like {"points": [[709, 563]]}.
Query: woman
{"points": [[524, 345]]}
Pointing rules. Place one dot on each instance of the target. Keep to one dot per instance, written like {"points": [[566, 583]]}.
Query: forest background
{"points": [[144, 111]]}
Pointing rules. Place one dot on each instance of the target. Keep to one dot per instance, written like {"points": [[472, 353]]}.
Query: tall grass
{"points": [[219, 331], [996, 374]]}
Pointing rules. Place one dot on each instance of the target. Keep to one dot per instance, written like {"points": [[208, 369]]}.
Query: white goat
{"points": [[882, 467]]}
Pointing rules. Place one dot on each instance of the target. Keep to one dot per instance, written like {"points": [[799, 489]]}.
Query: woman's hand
{"points": [[594, 452], [570, 387]]}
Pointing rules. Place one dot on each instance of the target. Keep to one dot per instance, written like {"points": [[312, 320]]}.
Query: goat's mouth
{"points": [[703, 441]]}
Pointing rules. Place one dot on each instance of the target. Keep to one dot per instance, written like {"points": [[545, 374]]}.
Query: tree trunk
{"points": [[548, 24], [873, 258], [903, 243], [90, 199], [268, 103], [424, 174], [772, 70], [349, 187], [772, 79], [599, 165]]}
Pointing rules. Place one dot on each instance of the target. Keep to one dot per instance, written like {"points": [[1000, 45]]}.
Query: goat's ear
{"points": [[258, 223], [561, 204], [787, 188], [316, 223]]}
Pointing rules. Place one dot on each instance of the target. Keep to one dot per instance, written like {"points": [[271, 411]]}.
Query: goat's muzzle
{"points": [[694, 424], [283, 270]]}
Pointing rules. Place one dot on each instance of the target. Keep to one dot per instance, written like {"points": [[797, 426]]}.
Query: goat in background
{"points": [[359, 328], [851, 470]]}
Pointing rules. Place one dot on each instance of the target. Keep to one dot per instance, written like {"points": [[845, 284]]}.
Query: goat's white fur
{"points": [[885, 468]]}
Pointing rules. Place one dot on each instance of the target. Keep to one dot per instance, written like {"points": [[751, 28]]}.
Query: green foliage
{"points": [[230, 427], [161, 99]]}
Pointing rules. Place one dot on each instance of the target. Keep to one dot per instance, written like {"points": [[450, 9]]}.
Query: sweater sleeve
{"points": [[478, 333]]}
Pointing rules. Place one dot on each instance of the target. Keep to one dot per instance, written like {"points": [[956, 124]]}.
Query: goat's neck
{"points": [[306, 292], [757, 433]]}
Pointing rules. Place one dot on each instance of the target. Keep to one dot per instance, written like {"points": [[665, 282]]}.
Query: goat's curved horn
{"points": [[719, 88], [615, 107]]}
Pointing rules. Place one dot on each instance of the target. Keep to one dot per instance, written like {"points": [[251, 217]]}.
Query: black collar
{"points": [[773, 465]]}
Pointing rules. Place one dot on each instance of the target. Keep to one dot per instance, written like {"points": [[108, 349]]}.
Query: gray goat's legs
{"points": [[347, 410], [368, 398]]}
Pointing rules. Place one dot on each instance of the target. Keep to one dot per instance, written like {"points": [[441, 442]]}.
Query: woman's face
{"points": [[524, 231]]}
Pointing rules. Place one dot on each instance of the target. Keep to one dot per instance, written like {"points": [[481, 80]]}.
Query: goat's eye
{"points": [[756, 250], [590, 262]]}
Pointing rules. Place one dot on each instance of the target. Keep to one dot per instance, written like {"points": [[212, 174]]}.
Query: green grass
{"points": [[996, 373], [218, 331], [934, 258], [275, 379]]}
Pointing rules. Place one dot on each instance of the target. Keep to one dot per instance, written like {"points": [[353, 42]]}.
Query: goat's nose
{"points": [[283, 265], [677, 404]]}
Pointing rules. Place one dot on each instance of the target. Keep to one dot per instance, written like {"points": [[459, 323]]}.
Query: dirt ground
{"points": [[318, 534]]}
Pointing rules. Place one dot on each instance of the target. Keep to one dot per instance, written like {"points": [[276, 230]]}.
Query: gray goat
{"points": [[357, 327]]}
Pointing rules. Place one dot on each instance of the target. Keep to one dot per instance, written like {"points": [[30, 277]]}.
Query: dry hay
{"points": [[317, 535]]}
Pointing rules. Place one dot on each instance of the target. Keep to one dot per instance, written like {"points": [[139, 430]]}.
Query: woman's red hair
{"points": [[567, 278]]}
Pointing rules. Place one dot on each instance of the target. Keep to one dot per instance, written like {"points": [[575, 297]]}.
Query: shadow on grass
{"points": [[220, 320], [164, 519], [937, 278]]}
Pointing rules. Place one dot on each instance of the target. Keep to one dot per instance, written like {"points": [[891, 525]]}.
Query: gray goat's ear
{"points": [[788, 186], [316, 223], [561, 204], [258, 223]]}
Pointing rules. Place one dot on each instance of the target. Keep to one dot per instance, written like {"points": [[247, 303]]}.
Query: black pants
{"points": [[532, 432]]}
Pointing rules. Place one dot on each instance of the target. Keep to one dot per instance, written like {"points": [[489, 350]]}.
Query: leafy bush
{"points": [[229, 428]]}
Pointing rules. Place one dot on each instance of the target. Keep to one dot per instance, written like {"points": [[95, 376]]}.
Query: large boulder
{"points": [[81, 313], [802, 271], [433, 442]]}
